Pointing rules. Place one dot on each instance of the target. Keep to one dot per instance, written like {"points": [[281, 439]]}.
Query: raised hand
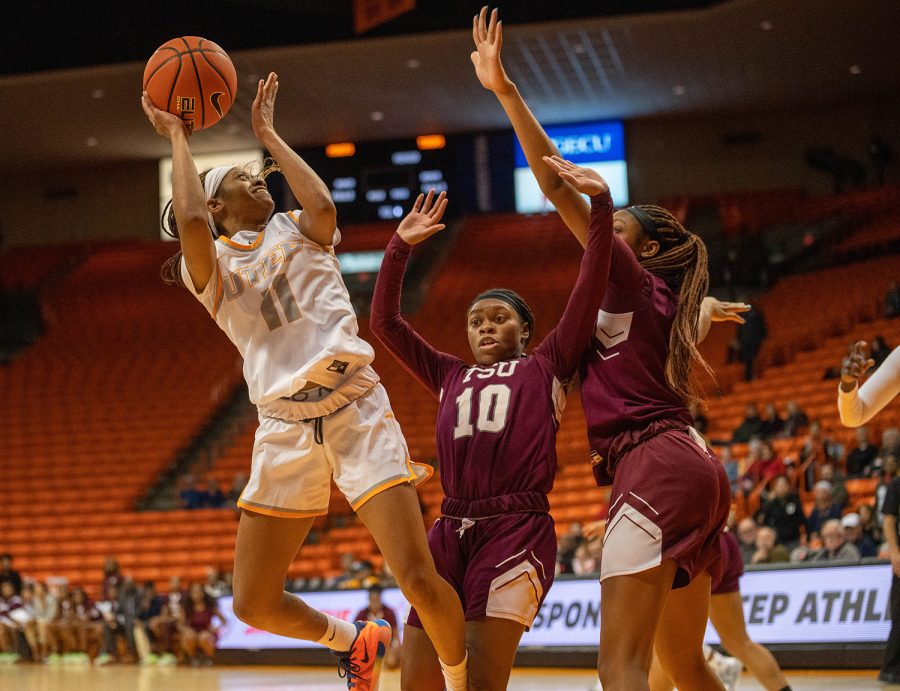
{"points": [[262, 112], [855, 365], [585, 180], [425, 218], [488, 37], [725, 311], [165, 124]]}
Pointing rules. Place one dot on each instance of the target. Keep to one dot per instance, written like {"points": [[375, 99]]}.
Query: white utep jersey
{"points": [[282, 301]]}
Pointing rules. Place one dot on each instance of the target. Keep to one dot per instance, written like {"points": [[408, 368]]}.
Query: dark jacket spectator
{"points": [[795, 421], [869, 524], [834, 545], [853, 532], [751, 426], [824, 510], [862, 456], [8, 575], [746, 535], [751, 335], [839, 493], [784, 513], [772, 424]]}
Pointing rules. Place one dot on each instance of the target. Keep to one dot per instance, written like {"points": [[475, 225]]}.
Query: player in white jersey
{"points": [[273, 284]]}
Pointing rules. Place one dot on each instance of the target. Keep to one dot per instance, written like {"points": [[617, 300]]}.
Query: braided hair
{"points": [[170, 272], [682, 263]]}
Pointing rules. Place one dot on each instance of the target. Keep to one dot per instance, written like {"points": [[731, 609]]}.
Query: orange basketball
{"points": [[192, 78]]}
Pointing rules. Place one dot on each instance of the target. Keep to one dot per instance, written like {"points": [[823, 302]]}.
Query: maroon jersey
{"points": [[623, 374], [496, 427], [386, 613]]}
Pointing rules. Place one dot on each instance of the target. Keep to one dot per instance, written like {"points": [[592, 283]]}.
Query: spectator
{"points": [[8, 574], [732, 470], [112, 577], [701, 422], [197, 630], [192, 495], [853, 533], [834, 545], [772, 424], [85, 626], [213, 496], [751, 334], [362, 575], [784, 513], [892, 301], [15, 621], [215, 584], [820, 449], [751, 426], [869, 523], [764, 465], [824, 509], [878, 351], [890, 442], [164, 626], [378, 610], [149, 609], [587, 558], [795, 421], [768, 551], [862, 456], [44, 606], [838, 489], [746, 535], [888, 472], [114, 629]]}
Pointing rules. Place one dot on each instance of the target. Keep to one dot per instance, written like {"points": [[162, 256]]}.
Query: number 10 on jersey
{"points": [[492, 408]]}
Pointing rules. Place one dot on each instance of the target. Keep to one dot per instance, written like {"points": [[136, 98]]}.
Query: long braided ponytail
{"points": [[682, 263]]}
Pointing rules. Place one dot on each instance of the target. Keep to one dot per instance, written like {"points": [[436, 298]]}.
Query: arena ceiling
{"points": [[413, 75]]}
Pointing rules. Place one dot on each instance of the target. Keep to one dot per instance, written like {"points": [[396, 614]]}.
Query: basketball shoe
{"points": [[361, 665]]}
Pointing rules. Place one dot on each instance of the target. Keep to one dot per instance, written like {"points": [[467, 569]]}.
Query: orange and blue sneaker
{"points": [[361, 665]]}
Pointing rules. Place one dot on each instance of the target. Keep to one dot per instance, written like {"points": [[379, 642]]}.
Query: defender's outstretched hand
{"points": [[262, 112], [585, 180], [425, 218], [488, 37], [163, 122]]}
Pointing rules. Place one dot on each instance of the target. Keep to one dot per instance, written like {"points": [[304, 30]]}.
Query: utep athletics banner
{"points": [[843, 604], [597, 145]]}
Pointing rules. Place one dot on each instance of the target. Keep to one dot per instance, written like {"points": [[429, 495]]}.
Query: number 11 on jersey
{"points": [[493, 406]]}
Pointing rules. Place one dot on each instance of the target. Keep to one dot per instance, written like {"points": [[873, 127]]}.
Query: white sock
{"points": [[456, 677], [339, 635]]}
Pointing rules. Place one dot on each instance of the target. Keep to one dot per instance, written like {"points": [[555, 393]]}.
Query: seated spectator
{"points": [[772, 424], [784, 513], [824, 510], [44, 606], [862, 456], [7, 573], [213, 496], [795, 421], [732, 470], [199, 626], [587, 558], [750, 427], [834, 545], [192, 495], [215, 584], [85, 627], [113, 623], [853, 533], [112, 576], [878, 351], [376, 609], [763, 465], [820, 449], [768, 551], [869, 524], [566, 547], [892, 301], [362, 575], [746, 535], [701, 422], [15, 621], [838, 489], [164, 626]]}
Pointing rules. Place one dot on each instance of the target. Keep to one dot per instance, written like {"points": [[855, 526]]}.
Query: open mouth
{"points": [[486, 343]]}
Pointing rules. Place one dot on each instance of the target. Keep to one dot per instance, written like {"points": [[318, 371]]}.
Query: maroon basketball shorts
{"points": [[500, 567], [670, 499], [726, 572]]}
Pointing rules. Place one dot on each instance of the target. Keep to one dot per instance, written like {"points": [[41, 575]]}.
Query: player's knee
{"points": [[420, 586], [254, 611]]}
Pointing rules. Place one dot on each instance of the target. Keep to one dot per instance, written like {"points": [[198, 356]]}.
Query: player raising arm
{"points": [[496, 440], [273, 284], [859, 404]]}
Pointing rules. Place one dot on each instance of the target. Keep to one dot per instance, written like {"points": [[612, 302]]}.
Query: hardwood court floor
{"points": [[28, 677]]}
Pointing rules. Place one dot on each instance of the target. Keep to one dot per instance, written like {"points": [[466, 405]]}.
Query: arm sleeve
{"points": [[565, 344], [428, 365], [863, 403]]}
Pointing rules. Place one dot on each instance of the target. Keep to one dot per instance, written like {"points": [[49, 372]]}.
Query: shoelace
{"points": [[348, 669]]}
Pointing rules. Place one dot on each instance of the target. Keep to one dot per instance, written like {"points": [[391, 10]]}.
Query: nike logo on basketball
{"points": [[214, 99]]}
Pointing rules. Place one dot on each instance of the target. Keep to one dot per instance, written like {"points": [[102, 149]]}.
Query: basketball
{"points": [[193, 78]]}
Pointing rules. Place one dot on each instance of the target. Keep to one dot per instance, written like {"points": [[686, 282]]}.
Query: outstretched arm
{"points": [[859, 404], [414, 353], [567, 342], [319, 217], [713, 310], [188, 197], [572, 207]]}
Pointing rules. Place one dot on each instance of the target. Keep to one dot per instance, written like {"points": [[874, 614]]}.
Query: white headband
{"points": [[210, 186]]}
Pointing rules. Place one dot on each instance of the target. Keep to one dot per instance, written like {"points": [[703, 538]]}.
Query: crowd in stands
{"points": [[209, 494], [57, 623]]}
